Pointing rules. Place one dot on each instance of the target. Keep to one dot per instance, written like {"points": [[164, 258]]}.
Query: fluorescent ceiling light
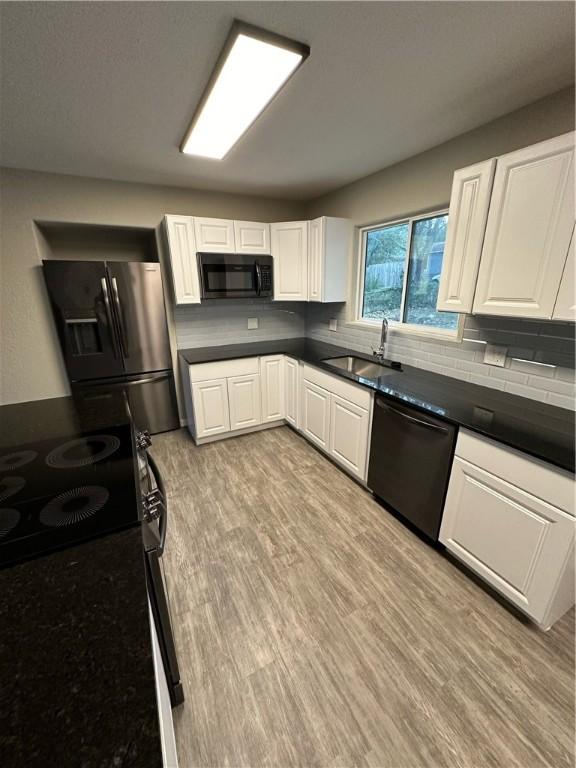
{"points": [[252, 68]]}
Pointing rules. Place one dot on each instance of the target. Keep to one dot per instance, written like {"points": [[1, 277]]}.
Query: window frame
{"points": [[444, 334]]}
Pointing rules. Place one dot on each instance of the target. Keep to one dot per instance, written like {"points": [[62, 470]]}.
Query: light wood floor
{"points": [[314, 629]]}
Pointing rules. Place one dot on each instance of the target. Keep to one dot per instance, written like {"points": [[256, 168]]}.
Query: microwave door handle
{"points": [[258, 279], [123, 342], [108, 309]]}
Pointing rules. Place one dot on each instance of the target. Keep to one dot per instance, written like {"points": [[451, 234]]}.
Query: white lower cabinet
{"points": [[211, 412], [336, 416], [518, 539], [272, 381], [291, 389], [315, 422], [244, 401], [349, 434]]}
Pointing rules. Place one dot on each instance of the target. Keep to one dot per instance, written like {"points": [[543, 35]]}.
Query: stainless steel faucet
{"points": [[380, 351]]}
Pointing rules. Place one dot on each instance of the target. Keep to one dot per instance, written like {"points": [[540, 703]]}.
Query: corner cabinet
{"points": [[565, 307], [311, 259], [182, 252], [469, 204], [528, 231], [509, 518], [290, 252]]}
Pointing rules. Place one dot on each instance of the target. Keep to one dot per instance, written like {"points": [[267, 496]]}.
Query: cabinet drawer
{"points": [[223, 369], [352, 392], [553, 485]]}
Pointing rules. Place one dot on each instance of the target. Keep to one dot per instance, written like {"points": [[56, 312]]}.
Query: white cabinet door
{"points": [[291, 369], [244, 399], [214, 235], [210, 402], [565, 307], [528, 231], [516, 541], [316, 414], [290, 252], [182, 251], [349, 429], [252, 237], [315, 259], [469, 203], [329, 246], [272, 381]]}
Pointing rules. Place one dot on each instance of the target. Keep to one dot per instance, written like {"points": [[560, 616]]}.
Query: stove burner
{"points": [[9, 519], [82, 451], [10, 486], [16, 460], [74, 506]]}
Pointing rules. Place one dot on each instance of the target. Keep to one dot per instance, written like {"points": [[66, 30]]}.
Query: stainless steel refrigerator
{"points": [[111, 323]]}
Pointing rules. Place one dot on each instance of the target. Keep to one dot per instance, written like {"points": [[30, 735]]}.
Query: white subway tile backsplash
{"points": [[531, 340], [561, 401], [525, 391], [534, 368]]}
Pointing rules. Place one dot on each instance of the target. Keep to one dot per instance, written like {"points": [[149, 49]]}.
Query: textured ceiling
{"points": [[108, 89]]}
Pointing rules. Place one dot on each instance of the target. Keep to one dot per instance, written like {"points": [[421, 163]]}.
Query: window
{"points": [[401, 264]]}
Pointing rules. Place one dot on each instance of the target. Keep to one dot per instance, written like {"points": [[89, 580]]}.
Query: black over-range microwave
{"points": [[235, 275]]}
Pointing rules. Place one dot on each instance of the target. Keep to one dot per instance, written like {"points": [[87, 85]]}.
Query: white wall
{"points": [[30, 362], [422, 183]]}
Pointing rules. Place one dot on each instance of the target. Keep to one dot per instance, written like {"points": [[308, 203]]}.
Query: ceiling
{"points": [[107, 89]]}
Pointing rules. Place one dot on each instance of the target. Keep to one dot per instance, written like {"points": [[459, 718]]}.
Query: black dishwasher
{"points": [[410, 459]]}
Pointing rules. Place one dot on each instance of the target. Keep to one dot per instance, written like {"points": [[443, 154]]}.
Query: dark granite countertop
{"points": [[543, 431], [76, 666]]}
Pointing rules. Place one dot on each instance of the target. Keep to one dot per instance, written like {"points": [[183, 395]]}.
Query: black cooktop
{"points": [[67, 473]]}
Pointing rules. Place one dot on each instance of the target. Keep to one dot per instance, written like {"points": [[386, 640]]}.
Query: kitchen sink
{"points": [[364, 368]]}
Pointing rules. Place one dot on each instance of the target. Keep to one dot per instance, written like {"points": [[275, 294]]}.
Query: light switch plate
{"points": [[333, 324], [495, 355], [252, 323]]}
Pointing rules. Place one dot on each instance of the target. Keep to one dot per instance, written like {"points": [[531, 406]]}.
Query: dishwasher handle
{"points": [[420, 422]]}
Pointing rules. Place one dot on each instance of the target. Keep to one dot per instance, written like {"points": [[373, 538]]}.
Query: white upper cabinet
{"points": [[565, 307], [252, 237], [469, 204], [182, 251], [290, 252], [329, 244], [214, 235], [528, 231]]}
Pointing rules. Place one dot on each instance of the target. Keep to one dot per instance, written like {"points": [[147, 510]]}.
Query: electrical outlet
{"points": [[252, 323], [333, 324], [495, 355]]}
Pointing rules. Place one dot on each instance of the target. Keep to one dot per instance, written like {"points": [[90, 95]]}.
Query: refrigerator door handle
{"points": [[109, 314], [123, 342]]}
